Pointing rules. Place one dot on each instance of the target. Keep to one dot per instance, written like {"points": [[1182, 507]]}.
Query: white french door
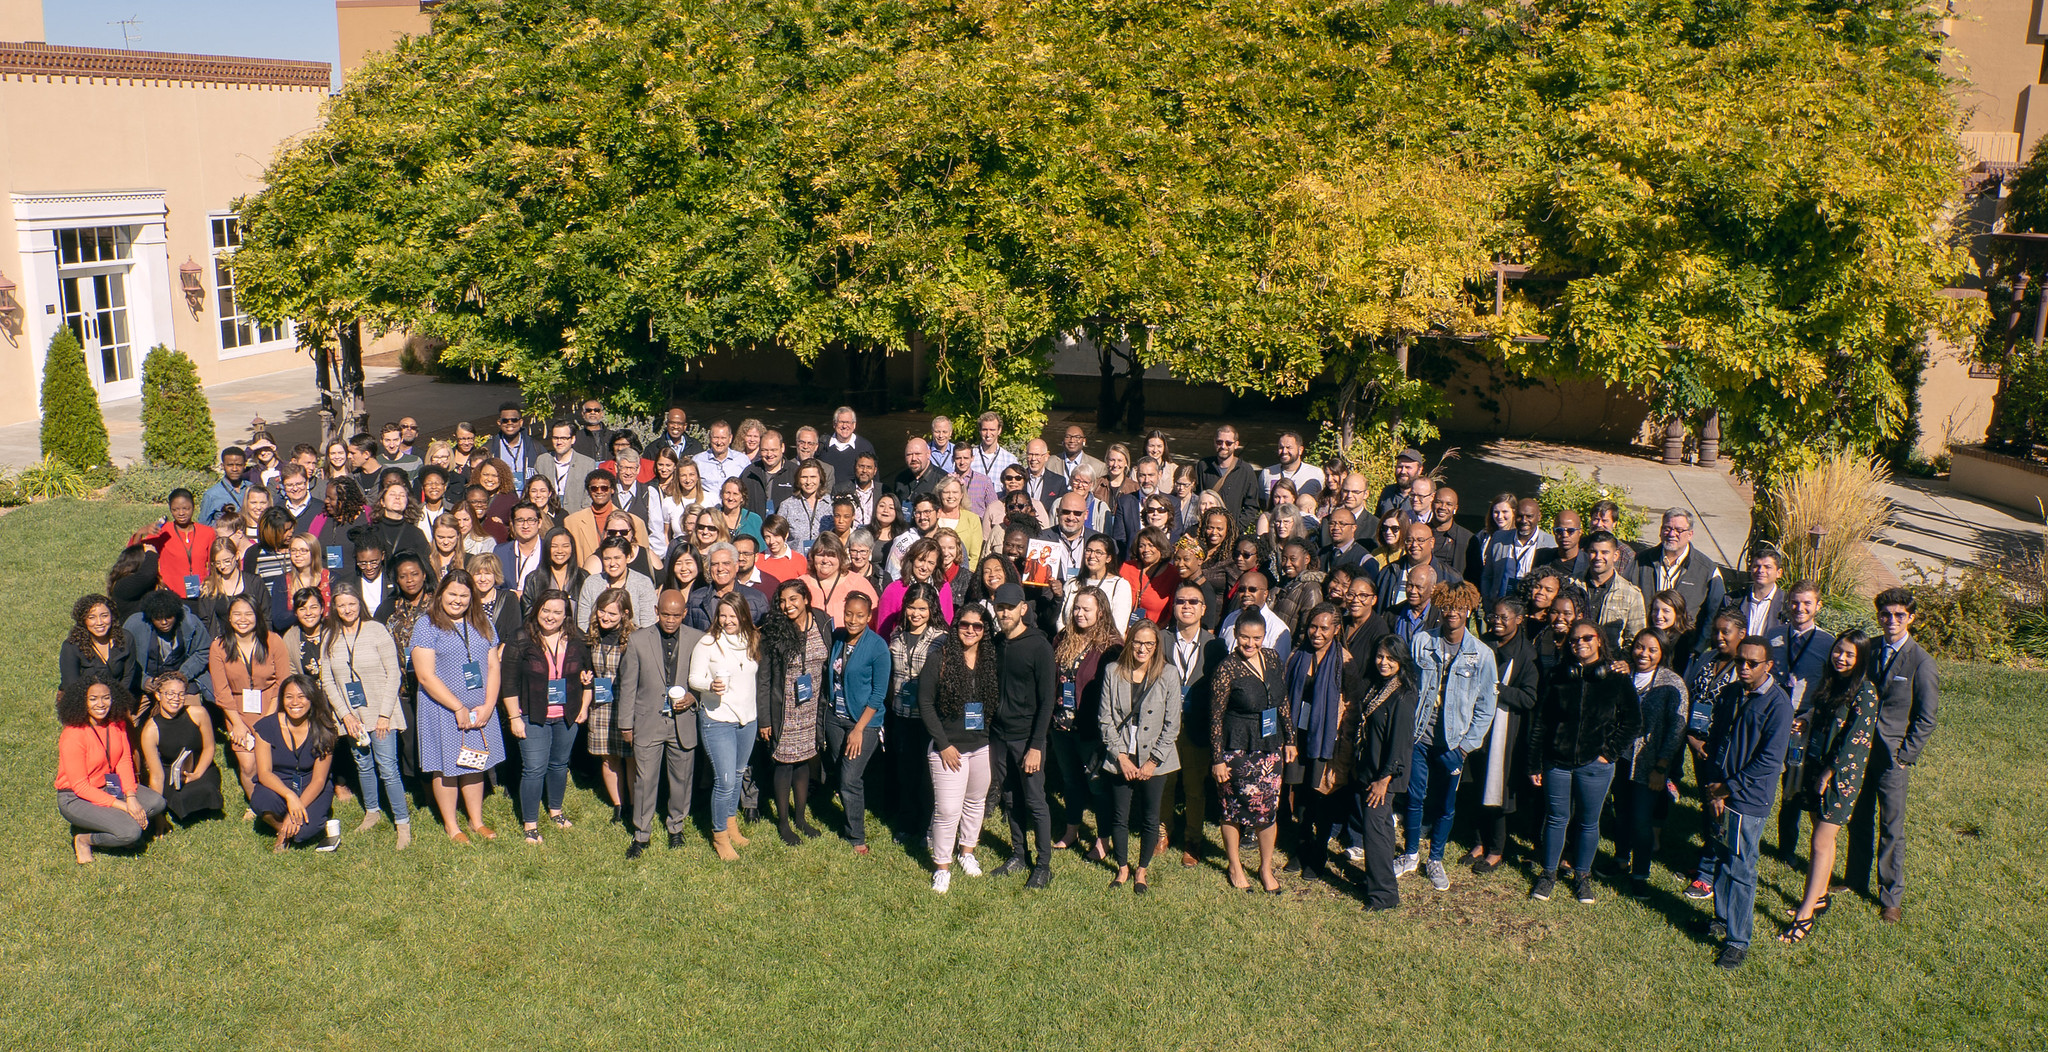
{"points": [[95, 308]]}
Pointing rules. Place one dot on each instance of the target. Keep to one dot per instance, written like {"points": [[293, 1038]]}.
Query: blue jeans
{"points": [[727, 745], [1432, 796], [1570, 791], [1735, 877], [544, 760], [377, 763]]}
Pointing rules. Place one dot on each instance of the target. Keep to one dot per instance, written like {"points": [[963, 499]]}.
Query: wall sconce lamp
{"points": [[188, 280], [7, 304]]}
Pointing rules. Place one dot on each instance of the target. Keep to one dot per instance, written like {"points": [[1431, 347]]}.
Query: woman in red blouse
{"points": [[97, 790]]}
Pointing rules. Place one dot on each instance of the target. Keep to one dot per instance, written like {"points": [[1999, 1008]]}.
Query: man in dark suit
{"points": [[1418, 543], [1194, 652], [675, 434], [1907, 701], [297, 498], [657, 716], [721, 572], [1453, 542], [1344, 551], [919, 474], [1129, 520], [593, 439], [1761, 605], [1045, 485], [1678, 566], [378, 592]]}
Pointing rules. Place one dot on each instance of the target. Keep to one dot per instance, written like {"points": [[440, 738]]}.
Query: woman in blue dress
{"points": [[455, 655], [294, 794]]}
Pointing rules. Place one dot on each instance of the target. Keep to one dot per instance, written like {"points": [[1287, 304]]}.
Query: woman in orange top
{"points": [[247, 664], [97, 790]]}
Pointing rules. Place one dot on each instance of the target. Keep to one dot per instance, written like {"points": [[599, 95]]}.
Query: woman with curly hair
{"points": [[97, 790], [96, 646], [956, 696], [294, 755], [1075, 738], [796, 640]]}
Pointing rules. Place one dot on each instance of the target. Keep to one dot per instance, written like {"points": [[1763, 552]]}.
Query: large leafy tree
{"points": [[1747, 199]]}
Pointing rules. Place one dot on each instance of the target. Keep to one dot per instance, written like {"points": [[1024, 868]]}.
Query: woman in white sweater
{"points": [[722, 672], [1098, 570], [360, 673]]}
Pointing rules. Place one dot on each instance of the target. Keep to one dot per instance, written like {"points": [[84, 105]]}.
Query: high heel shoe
{"points": [[1123, 876]]}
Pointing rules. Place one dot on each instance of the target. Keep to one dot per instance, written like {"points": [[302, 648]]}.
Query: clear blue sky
{"points": [[301, 29]]}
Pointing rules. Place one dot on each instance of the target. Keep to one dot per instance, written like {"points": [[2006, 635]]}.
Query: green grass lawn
{"points": [[207, 940]]}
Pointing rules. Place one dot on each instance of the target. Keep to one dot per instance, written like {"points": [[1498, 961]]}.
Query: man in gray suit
{"points": [[564, 467], [657, 716], [1906, 706]]}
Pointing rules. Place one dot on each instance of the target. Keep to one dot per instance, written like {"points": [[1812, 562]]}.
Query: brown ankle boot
{"points": [[732, 832], [721, 842]]}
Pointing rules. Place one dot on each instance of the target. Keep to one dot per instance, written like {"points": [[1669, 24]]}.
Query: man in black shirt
{"points": [[1017, 734], [1234, 479], [770, 480]]}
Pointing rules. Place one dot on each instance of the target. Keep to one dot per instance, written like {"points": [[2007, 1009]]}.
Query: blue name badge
{"points": [[803, 688], [114, 786], [1700, 718], [1067, 694], [906, 697], [334, 556], [601, 690], [192, 585], [973, 718], [1269, 723], [473, 675], [839, 700], [558, 698], [1137, 615], [356, 698]]}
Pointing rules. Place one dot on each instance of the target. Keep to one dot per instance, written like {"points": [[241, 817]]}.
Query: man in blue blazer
{"points": [[858, 678]]}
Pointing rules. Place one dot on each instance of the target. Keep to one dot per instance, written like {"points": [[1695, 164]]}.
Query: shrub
{"points": [[1371, 453], [153, 483], [1843, 494], [10, 491], [50, 477], [177, 426], [73, 430], [1968, 619], [1842, 613], [1568, 490]]}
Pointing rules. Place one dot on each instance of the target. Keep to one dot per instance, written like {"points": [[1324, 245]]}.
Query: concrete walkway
{"points": [[1932, 524]]}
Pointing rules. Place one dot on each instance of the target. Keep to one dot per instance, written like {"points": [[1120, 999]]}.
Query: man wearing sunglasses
{"points": [[1194, 651], [586, 525], [1234, 478], [1907, 701], [514, 446], [593, 439], [1745, 752]]}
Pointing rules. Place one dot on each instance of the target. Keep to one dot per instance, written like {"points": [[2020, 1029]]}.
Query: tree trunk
{"points": [[1108, 411], [352, 410], [1401, 343], [1134, 388], [323, 382]]}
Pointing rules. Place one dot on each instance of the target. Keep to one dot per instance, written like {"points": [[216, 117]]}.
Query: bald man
{"points": [[657, 717], [919, 474]]}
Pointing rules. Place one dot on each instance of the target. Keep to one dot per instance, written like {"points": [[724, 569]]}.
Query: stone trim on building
{"points": [[31, 59]]}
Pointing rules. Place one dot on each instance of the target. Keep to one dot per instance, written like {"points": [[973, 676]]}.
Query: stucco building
{"points": [[118, 173]]}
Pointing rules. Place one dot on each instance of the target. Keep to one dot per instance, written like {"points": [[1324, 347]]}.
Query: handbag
{"points": [[474, 759]]}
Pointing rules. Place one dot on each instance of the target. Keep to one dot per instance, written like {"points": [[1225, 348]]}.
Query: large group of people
{"points": [[1101, 647]]}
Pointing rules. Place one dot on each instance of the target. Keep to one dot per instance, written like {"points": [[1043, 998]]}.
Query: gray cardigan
{"points": [[376, 665], [1157, 719], [1654, 754]]}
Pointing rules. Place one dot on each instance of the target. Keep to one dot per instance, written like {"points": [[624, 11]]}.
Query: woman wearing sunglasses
{"points": [[1588, 715]]}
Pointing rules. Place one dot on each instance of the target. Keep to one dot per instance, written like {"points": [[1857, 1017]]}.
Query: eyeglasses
{"points": [[1585, 639], [508, 420], [618, 533], [1566, 531], [707, 529], [600, 488], [1064, 512], [1892, 615], [1748, 663], [1187, 602], [1146, 643], [589, 409], [970, 626]]}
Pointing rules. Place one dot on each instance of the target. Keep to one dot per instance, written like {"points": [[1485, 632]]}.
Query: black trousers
{"points": [[1322, 815], [1877, 830], [1380, 891], [909, 793], [1147, 794], [1021, 796], [1788, 810]]}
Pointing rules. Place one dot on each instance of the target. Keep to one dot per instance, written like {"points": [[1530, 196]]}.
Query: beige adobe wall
{"points": [[1955, 407], [202, 144], [1997, 48], [374, 25], [21, 19]]}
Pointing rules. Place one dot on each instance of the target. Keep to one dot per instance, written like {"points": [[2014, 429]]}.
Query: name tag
{"points": [[803, 689], [558, 698], [1067, 694], [114, 786], [356, 698], [601, 690], [839, 700], [473, 675], [1137, 615], [334, 556], [973, 718], [192, 585], [1269, 722], [906, 697], [252, 702], [1698, 720]]}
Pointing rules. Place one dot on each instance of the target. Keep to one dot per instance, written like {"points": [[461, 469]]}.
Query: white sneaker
{"points": [[1356, 854], [942, 880], [1438, 879], [1404, 864], [968, 865]]}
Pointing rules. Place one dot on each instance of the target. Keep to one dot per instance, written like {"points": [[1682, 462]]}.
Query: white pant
{"points": [[958, 800]]}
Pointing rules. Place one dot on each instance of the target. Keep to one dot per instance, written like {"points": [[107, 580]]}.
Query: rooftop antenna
{"points": [[131, 31]]}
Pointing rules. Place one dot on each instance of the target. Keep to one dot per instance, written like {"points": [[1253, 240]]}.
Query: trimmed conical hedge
{"points": [[73, 430], [177, 426]]}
